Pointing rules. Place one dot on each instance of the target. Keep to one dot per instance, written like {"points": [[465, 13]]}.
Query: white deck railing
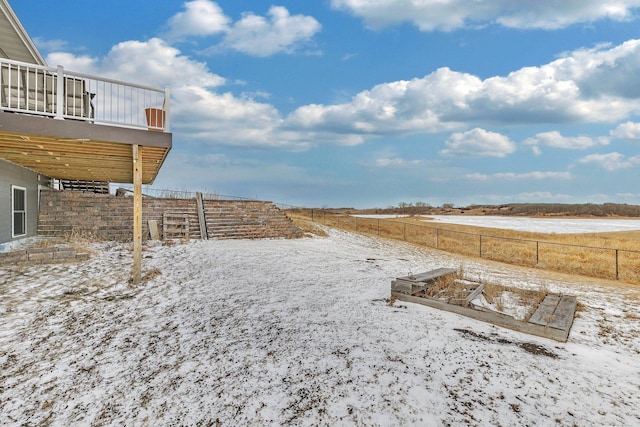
{"points": [[61, 94]]}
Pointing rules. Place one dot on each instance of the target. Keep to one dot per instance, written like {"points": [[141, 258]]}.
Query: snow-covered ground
{"points": [[298, 332], [542, 225], [379, 216]]}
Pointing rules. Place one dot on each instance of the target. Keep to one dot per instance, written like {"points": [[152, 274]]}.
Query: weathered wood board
{"points": [[414, 283], [476, 292], [555, 311], [154, 231]]}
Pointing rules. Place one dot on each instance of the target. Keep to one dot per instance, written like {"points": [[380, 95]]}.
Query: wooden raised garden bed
{"points": [[551, 318]]}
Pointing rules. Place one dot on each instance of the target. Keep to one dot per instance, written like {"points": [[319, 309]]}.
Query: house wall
{"points": [[11, 174]]}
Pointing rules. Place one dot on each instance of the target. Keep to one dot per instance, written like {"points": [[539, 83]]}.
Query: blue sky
{"points": [[373, 103]]}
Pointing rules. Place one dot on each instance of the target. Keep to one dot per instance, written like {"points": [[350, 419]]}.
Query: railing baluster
{"points": [[61, 94]]}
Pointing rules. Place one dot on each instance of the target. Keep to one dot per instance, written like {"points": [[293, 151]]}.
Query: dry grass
{"points": [[455, 289], [151, 274], [78, 239], [592, 254], [633, 316], [445, 286], [529, 298], [309, 227]]}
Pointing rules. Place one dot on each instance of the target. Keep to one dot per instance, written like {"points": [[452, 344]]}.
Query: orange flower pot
{"points": [[155, 119]]}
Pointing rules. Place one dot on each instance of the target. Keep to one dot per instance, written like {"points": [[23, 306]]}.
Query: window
{"points": [[19, 220]]}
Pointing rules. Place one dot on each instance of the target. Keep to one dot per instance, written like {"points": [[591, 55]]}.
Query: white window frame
{"points": [[13, 211]]}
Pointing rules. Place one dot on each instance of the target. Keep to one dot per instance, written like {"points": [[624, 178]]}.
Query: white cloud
{"points": [[280, 33], [612, 161], [628, 130], [255, 35], [49, 45], [199, 112], [394, 108], [200, 18], [478, 143], [527, 197], [226, 171], [510, 176], [537, 196], [605, 71], [556, 140], [571, 89], [153, 61], [396, 162], [429, 15], [443, 101]]}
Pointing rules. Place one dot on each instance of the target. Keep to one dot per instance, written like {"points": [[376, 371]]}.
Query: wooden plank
{"points": [[564, 313], [201, 216], [153, 229], [429, 275], [475, 293], [415, 283], [494, 318], [544, 312], [402, 286]]}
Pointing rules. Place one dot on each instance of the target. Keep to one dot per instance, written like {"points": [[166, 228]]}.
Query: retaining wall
{"points": [[110, 217], [42, 255]]}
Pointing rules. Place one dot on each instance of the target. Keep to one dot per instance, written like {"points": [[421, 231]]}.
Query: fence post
{"points": [[404, 233], [312, 216], [537, 252], [617, 275], [480, 235], [437, 238], [356, 224], [378, 227]]}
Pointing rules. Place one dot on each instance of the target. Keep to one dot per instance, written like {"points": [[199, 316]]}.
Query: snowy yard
{"points": [[299, 332]]}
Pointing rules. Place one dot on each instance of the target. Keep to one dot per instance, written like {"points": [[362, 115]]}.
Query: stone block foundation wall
{"points": [[109, 217], [42, 255]]}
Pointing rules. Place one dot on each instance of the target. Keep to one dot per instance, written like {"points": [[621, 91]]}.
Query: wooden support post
{"points": [[137, 215], [202, 219]]}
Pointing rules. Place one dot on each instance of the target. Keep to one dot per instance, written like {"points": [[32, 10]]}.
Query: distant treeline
{"points": [[588, 209], [517, 209]]}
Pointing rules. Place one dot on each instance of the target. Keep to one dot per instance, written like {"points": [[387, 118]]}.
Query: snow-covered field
{"points": [[298, 332], [379, 216], [542, 225]]}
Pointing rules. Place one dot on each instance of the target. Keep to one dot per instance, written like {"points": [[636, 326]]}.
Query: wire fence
{"points": [[163, 193], [600, 262]]}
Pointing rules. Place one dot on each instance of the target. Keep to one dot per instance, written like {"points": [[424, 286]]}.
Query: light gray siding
{"points": [[11, 174]]}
